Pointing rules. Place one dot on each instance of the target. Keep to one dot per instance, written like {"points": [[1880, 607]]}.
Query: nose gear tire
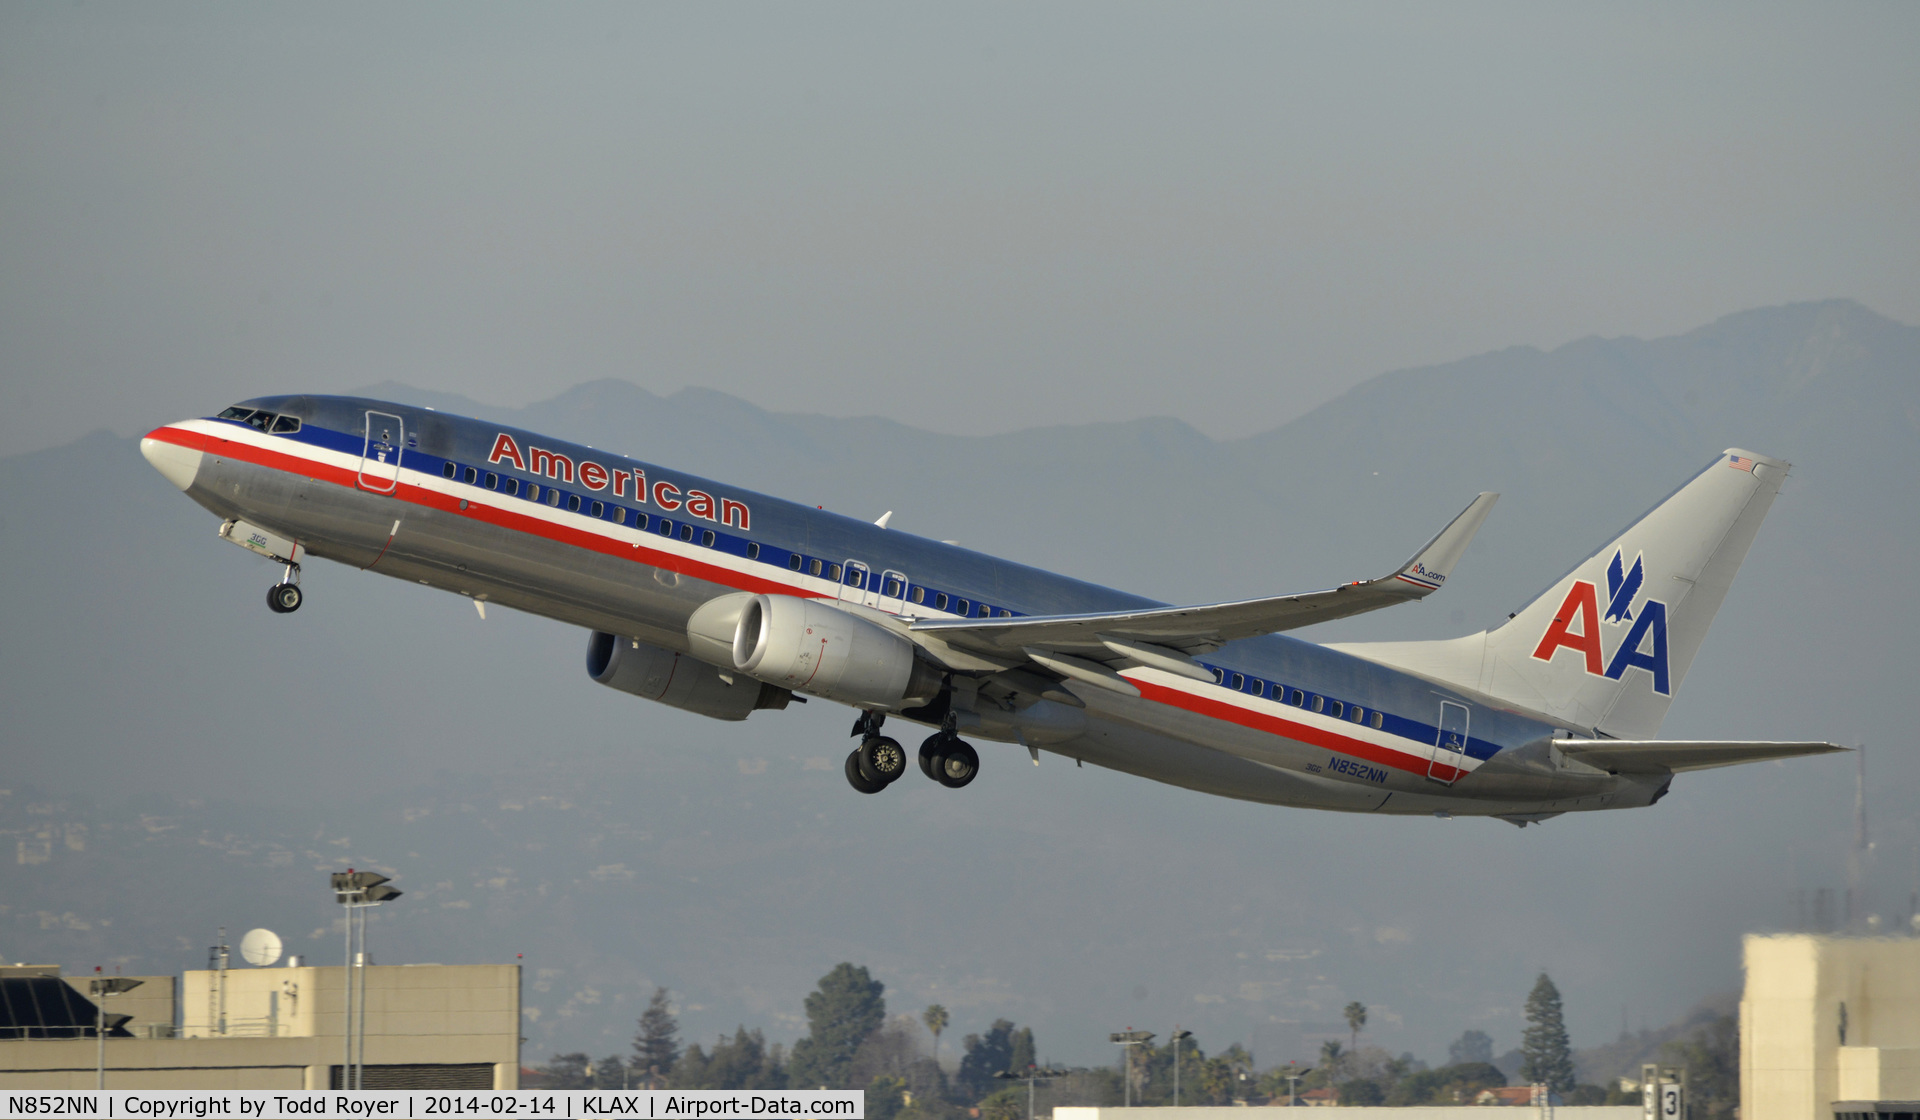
{"points": [[284, 598]]}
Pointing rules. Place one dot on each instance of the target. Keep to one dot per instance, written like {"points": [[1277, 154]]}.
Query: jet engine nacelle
{"points": [[807, 646], [677, 679]]}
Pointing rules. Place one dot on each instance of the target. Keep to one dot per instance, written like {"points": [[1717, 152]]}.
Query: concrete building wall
{"points": [[1801, 990]]}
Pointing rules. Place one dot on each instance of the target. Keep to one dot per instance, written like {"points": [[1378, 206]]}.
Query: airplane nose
{"points": [[179, 464]]}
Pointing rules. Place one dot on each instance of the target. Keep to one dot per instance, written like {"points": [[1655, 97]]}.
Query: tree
{"points": [[1471, 1048], [657, 1047], [1712, 1058], [568, 1071], [842, 1012], [935, 1017], [1023, 1056], [742, 1062], [1546, 1056], [985, 1057], [1330, 1055], [1356, 1013]]}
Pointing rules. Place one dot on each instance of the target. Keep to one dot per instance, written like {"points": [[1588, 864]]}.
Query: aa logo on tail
{"points": [[1582, 606]]}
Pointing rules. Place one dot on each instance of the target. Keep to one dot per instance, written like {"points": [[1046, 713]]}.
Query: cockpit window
{"points": [[263, 420]]}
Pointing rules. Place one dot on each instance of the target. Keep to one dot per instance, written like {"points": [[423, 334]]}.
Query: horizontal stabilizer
{"points": [[1659, 756], [1202, 628]]}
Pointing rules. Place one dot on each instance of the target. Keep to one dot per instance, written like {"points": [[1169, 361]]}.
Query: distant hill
{"points": [[177, 758]]}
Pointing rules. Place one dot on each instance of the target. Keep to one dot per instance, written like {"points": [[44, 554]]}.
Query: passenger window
{"points": [[619, 515], [598, 509], [1319, 704], [793, 561], [470, 476], [1005, 613], [686, 532], [448, 469], [1377, 721], [1334, 708], [753, 550], [706, 538], [1298, 698], [1357, 714], [286, 424], [1256, 686], [573, 503], [963, 608], [493, 481], [1239, 682], [856, 578], [940, 601], [639, 521], [512, 486], [919, 594], [833, 572], [814, 568], [1219, 676], [666, 527]]}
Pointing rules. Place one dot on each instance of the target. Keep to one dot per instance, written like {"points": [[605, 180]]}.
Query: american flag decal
{"points": [[1740, 463]]}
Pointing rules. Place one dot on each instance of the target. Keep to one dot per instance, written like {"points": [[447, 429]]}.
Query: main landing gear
{"points": [[285, 597], [879, 761]]}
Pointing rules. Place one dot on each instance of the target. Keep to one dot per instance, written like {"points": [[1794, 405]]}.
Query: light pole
{"points": [[1127, 1040], [102, 987], [1032, 1074], [357, 890], [1293, 1075], [1177, 1036]]}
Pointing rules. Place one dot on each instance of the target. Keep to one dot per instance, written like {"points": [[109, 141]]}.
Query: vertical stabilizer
{"points": [[1606, 647]]}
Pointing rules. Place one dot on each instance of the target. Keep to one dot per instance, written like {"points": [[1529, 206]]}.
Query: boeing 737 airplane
{"points": [[724, 602]]}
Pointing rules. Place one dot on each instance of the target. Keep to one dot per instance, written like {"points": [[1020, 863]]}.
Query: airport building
{"points": [[426, 1026], [1830, 1027]]}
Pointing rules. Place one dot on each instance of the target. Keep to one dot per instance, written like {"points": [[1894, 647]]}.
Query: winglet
{"points": [[1428, 569]]}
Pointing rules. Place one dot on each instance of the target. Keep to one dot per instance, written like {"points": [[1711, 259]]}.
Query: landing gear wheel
{"points": [[858, 780], [881, 760], [949, 760], [930, 752], [284, 598]]}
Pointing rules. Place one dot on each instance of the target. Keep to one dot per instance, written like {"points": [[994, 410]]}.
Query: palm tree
{"points": [[1356, 1018], [1330, 1055], [935, 1017]]}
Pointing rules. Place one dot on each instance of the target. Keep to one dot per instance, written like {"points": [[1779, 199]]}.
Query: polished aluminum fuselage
{"points": [[414, 517]]}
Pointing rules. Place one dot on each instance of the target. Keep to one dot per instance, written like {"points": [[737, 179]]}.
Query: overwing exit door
{"points": [[380, 459], [1450, 744]]}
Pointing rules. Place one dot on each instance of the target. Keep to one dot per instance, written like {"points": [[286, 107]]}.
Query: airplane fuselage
{"points": [[635, 549]]}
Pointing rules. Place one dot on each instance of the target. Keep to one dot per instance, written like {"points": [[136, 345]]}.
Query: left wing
{"points": [[1204, 628], [1658, 756]]}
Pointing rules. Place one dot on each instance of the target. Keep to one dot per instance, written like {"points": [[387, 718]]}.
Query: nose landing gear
{"points": [[285, 597], [879, 761]]}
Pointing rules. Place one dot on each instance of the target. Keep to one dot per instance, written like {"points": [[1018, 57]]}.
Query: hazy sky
{"points": [[968, 218]]}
